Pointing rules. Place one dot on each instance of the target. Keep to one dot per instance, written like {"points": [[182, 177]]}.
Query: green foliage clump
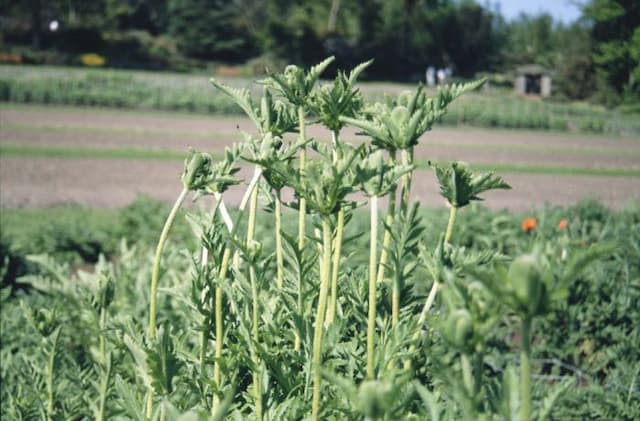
{"points": [[244, 318]]}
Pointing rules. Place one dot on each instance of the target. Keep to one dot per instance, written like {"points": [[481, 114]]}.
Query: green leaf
{"points": [[460, 186], [163, 362]]}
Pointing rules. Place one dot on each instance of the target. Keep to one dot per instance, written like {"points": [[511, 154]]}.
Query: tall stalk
{"points": [[279, 251], [434, 288], [321, 311], [103, 326], [155, 274], [335, 269], [251, 229], [436, 283], [525, 370], [303, 202], [217, 376], [50, 367], [337, 248], [386, 240], [406, 157], [156, 261], [104, 390], [301, 217], [373, 258]]}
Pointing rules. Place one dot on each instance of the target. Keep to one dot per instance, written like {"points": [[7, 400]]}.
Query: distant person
{"points": [[442, 77], [431, 76]]}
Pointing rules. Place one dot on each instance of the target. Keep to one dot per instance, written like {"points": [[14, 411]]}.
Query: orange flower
{"points": [[563, 224], [529, 224]]}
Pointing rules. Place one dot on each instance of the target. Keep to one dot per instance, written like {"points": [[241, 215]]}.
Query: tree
{"points": [[616, 47], [209, 29]]}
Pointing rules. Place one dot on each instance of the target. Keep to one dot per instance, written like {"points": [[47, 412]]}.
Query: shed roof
{"points": [[531, 69]]}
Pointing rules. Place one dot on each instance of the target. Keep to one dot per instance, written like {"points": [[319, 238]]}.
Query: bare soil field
{"points": [[40, 182]]}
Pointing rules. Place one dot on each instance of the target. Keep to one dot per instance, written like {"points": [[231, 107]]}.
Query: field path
{"points": [[36, 181]]}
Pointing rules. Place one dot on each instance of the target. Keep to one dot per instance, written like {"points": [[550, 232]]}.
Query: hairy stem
{"points": [[467, 373], [335, 270], [104, 389], [373, 258], [103, 326], [436, 284], [301, 215], [404, 209], [247, 198], [156, 262], [155, 274], [257, 389], [525, 371], [434, 288], [279, 251], [251, 230], [406, 157], [50, 368], [217, 375], [386, 240], [337, 247], [322, 308], [452, 220]]}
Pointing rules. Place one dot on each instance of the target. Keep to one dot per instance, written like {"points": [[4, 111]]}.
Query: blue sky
{"points": [[562, 10]]}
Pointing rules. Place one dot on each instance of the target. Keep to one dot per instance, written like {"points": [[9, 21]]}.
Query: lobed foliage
{"points": [[248, 322]]}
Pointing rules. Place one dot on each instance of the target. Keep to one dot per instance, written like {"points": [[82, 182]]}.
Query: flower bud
{"points": [[197, 170], [526, 281], [458, 328], [375, 398]]}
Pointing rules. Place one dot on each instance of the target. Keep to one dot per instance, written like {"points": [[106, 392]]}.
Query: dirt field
{"points": [[40, 182]]}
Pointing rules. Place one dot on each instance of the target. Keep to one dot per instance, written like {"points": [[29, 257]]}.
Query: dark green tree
{"points": [[616, 48], [210, 29]]}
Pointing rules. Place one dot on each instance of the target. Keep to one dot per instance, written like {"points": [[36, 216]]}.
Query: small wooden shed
{"points": [[533, 79]]}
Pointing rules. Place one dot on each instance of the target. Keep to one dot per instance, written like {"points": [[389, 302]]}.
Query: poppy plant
{"points": [[529, 224]]}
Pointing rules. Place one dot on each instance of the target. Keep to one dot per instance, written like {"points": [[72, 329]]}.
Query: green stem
{"points": [[103, 326], [386, 241], [321, 311], [452, 220], [251, 230], [104, 389], [156, 262], [525, 371], [406, 156], [373, 258], [301, 216], [434, 288], [217, 376], [404, 208], [467, 373], [50, 367], [436, 283], [203, 349], [257, 389], [279, 251], [335, 270], [303, 202], [155, 274]]}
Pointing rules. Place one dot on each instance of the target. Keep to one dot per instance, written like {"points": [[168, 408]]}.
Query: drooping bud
{"points": [[458, 328], [526, 281], [198, 170]]}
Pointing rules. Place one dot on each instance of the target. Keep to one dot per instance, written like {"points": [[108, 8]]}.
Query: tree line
{"points": [[597, 57]]}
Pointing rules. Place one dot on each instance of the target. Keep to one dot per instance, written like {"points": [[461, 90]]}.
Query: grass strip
{"points": [[116, 131], [64, 152], [547, 169], [164, 154]]}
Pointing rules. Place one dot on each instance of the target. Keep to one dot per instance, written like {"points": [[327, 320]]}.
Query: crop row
{"points": [[123, 89]]}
